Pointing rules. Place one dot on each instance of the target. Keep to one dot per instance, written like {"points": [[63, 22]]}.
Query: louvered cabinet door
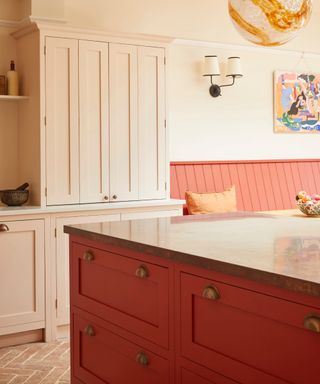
{"points": [[152, 135], [94, 126], [123, 75], [62, 133]]}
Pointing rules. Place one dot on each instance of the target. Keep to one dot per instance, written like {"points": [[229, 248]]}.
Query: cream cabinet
{"points": [[105, 122], [22, 276]]}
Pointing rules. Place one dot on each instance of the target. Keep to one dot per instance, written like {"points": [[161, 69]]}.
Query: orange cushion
{"points": [[215, 202]]}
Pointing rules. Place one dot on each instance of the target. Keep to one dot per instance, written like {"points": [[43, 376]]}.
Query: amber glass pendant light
{"points": [[269, 22]]}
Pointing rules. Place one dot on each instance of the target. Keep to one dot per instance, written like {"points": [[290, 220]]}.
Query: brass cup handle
{"points": [[142, 272], [211, 292], [88, 256], [142, 359], [89, 331], [312, 323], [4, 228]]}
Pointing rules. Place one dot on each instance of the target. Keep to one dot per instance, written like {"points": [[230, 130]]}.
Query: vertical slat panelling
{"points": [[296, 176], [262, 195], [216, 172], [316, 175], [235, 181], [200, 179], [260, 185], [182, 180], [211, 187], [290, 184], [284, 190], [253, 187], [275, 185], [174, 185], [226, 181], [191, 178], [268, 185], [303, 172], [308, 176], [245, 191]]}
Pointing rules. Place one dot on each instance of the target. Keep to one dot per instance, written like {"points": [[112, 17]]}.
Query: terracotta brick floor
{"points": [[36, 363]]}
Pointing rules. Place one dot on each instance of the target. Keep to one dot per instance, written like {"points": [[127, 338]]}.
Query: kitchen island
{"points": [[220, 299]]}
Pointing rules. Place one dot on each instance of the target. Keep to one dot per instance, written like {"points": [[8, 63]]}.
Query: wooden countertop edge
{"points": [[277, 280]]}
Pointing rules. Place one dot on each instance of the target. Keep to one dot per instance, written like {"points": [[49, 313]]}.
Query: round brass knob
{"points": [[4, 228], [211, 292], [142, 359], [312, 323], [106, 198], [142, 272], [114, 197], [89, 330], [88, 256]]}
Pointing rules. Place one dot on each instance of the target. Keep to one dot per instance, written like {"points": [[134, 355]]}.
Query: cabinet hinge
{"points": [[165, 123], [165, 61], [55, 232], [45, 49], [46, 191], [45, 120], [165, 186], [56, 303]]}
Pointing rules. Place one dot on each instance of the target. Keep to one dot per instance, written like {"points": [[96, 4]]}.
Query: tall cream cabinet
{"points": [[91, 140], [105, 122], [22, 282]]}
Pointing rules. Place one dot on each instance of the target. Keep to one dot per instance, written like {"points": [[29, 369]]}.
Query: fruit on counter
{"points": [[308, 204]]}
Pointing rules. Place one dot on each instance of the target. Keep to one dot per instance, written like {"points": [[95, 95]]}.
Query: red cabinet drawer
{"points": [[100, 357], [245, 335], [124, 291]]}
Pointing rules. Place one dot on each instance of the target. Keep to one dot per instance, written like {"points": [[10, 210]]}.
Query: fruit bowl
{"points": [[309, 205]]}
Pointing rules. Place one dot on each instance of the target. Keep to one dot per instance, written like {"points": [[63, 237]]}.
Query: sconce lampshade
{"points": [[234, 67], [211, 66]]}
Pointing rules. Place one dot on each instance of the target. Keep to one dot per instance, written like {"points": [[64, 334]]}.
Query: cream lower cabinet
{"points": [[105, 122], [62, 260], [22, 276]]}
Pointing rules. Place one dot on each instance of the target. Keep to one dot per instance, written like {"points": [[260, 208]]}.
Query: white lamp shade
{"points": [[234, 67], [211, 66]]}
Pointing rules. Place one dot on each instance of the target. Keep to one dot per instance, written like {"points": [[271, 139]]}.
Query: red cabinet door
{"points": [[125, 291], [245, 335], [102, 357]]}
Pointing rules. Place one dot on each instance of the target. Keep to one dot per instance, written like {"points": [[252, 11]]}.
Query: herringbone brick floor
{"points": [[36, 363]]}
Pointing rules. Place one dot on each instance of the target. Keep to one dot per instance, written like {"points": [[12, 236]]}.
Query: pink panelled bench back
{"points": [[261, 185]]}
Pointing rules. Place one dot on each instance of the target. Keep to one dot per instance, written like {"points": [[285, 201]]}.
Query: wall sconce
{"points": [[212, 69]]}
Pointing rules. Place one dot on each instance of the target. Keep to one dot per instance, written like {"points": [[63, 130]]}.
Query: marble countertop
{"points": [[279, 250], [35, 210]]}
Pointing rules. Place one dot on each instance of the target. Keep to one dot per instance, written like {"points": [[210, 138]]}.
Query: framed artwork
{"points": [[296, 102]]}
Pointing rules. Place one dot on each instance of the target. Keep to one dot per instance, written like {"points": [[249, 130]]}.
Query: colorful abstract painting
{"points": [[297, 102]]}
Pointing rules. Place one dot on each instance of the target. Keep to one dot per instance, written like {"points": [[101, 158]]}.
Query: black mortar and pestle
{"points": [[15, 197]]}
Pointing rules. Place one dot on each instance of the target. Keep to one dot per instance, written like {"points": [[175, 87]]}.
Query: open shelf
{"points": [[13, 98]]}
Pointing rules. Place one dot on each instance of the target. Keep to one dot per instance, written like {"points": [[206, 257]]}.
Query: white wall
{"points": [[239, 124]]}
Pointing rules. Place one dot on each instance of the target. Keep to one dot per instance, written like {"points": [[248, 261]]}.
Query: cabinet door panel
{"points": [[139, 304], [123, 122], [246, 334], [22, 274], [62, 260], [94, 130], [104, 357], [62, 138], [152, 140]]}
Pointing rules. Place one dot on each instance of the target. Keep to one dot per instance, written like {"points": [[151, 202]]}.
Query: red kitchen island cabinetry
{"points": [[216, 299]]}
